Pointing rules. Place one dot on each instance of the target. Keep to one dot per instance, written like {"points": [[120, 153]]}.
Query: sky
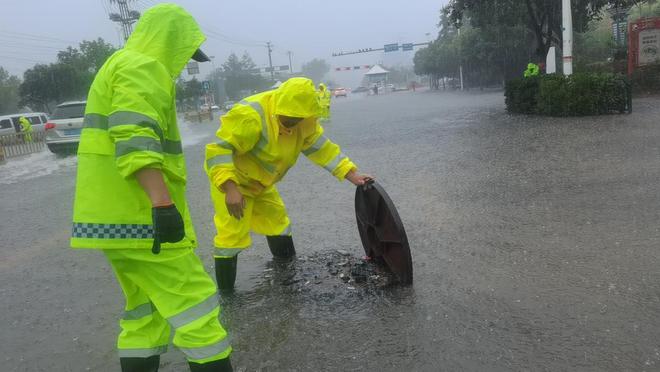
{"points": [[308, 28]]}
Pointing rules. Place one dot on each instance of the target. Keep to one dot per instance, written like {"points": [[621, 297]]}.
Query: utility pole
{"points": [[269, 45], [290, 64], [567, 23], [460, 63], [125, 17]]}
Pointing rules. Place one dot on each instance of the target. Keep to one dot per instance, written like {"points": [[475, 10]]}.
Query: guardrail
{"points": [[17, 144]]}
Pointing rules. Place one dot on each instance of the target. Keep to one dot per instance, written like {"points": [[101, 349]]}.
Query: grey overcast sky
{"points": [[34, 30]]}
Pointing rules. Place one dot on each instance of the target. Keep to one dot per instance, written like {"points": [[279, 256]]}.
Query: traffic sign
{"points": [[407, 47], [206, 85], [193, 68], [391, 47]]}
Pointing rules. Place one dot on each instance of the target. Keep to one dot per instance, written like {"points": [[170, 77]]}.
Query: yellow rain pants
{"points": [[264, 214], [165, 291]]}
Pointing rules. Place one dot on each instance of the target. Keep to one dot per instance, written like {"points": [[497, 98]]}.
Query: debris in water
{"points": [[334, 269]]}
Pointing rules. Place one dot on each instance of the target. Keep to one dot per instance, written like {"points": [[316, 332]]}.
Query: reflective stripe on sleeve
{"points": [[172, 147], [257, 107], [260, 146], [139, 312], [96, 121], [219, 160], [225, 145], [136, 144], [316, 146], [330, 167], [134, 118], [195, 312]]}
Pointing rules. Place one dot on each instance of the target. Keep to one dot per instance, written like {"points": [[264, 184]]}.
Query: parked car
{"points": [[229, 105], [215, 108], [64, 126], [10, 123], [340, 92]]}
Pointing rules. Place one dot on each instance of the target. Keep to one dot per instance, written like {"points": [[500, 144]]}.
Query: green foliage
{"points": [[575, 95], [520, 95], [594, 47], [541, 17], [316, 70], [68, 78], [8, 92], [239, 81]]}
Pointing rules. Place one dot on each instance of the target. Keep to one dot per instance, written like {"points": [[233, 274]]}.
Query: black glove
{"points": [[168, 226]]}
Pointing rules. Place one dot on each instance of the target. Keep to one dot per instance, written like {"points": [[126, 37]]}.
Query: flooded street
{"points": [[534, 242]]}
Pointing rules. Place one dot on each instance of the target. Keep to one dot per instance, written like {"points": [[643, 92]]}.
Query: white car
{"points": [[10, 123], [340, 92], [64, 127]]}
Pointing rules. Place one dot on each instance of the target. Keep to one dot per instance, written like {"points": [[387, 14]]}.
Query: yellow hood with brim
{"points": [[169, 34], [297, 98]]}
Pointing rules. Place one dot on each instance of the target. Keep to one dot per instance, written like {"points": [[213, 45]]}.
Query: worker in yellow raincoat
{"points": [[130, 198], [26, 128], [324, 101], [532, 70], [259, 140]]}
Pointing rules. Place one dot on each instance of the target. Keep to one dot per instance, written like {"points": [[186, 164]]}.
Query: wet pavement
{"points": [[534, 244]]}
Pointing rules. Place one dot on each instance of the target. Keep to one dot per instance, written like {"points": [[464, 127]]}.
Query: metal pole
{"points": [[290, 64], [270, 60], [460, 66], [567, 22]]}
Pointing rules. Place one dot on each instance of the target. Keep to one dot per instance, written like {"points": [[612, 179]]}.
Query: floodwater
{"points": [[534, 245]]}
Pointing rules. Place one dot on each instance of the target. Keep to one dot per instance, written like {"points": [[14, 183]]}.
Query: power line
{"points": [[23, 59], [34, 37]]}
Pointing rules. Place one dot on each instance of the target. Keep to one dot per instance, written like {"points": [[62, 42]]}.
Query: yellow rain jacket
{"points": [[26, 127], [255, 150], [324, 100], [130, 123], [532, 70]]}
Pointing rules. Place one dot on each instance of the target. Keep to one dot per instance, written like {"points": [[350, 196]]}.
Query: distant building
{"points": [[377, 75]]}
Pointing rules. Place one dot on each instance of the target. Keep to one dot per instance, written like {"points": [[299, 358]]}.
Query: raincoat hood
{"points": [[321, 86], [297, 98], [169, 34]]}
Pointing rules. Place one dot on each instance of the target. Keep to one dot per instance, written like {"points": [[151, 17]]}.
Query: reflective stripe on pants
{"points": [[165, 291]]}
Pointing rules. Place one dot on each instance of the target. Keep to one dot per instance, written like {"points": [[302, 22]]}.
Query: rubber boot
{"points": [[225, 273], [281, 247], [149, 364], [222, 365]]}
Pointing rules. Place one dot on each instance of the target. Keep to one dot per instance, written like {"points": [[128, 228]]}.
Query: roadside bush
{"points": [[520, 95], [575, 95]]}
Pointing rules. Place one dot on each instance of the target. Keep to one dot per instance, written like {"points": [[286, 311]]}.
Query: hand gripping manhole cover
{"points": [[382, 233]]}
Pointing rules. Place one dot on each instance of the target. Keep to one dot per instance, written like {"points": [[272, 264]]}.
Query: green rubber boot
{"points": [[281, 247], [149, 364], [222, 365], [225, 273]]}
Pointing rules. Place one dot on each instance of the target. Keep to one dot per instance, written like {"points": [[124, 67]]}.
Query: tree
{"points": [[69, 78], [8, 92], [37, 88], [541, 17], [233, 64], [96, 52], [239, 81], [316, 69]]}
